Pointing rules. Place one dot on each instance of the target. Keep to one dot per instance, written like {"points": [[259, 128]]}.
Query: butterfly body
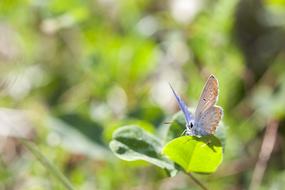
{"points": [[207, 115], [195, 130]]}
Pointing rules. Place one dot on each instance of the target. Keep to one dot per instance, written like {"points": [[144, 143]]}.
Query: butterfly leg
{"points": [[208, 142], [183, 132]]}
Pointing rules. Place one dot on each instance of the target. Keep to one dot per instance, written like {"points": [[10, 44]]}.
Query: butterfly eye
{"points": [[191, 125]]}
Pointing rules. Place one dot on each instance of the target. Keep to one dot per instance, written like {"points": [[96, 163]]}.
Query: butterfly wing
{"points": [[210, 119], [182, 106], [208, 97]]}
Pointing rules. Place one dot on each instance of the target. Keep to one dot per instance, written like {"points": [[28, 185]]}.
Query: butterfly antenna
{"points": [[172, 88]]}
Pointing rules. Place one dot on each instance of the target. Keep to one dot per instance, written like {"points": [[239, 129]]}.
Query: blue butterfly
{"points": [[207, 115]]}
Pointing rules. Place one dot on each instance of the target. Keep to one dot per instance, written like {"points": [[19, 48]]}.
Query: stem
{"points": [[197, 181], [47, 164], [264, 154]]}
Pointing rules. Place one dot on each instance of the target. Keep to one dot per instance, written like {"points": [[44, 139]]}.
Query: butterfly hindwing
{"points": [[210, 119]]}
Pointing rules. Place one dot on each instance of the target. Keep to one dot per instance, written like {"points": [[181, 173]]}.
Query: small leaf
{"points": [[202, 155], [133, 143]]}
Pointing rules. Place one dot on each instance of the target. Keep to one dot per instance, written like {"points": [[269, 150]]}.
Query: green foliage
{"points": [[81, 70], [202, 155], [193, 154], [133, 143]]}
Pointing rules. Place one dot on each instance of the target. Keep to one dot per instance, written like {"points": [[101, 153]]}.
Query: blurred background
{"points": [[71, 72]]}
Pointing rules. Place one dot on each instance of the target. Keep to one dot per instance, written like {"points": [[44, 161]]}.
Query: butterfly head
{"points": [[190, 128]]}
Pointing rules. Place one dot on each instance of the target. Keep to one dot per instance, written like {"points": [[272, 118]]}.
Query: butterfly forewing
{"points": [[210, 119], [208, 97]]}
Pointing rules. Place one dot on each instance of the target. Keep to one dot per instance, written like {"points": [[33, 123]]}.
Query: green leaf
{"points": [[193, 154], [132, 143], [176, 127]]}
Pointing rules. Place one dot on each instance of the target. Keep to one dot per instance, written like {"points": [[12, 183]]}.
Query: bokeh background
{"points": [[71, 72]]}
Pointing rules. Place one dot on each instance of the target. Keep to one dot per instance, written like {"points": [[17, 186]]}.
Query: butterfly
{"points": [[207, 115]]}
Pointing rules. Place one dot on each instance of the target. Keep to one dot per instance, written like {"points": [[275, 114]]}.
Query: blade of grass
{"points": [[47, 164]]}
